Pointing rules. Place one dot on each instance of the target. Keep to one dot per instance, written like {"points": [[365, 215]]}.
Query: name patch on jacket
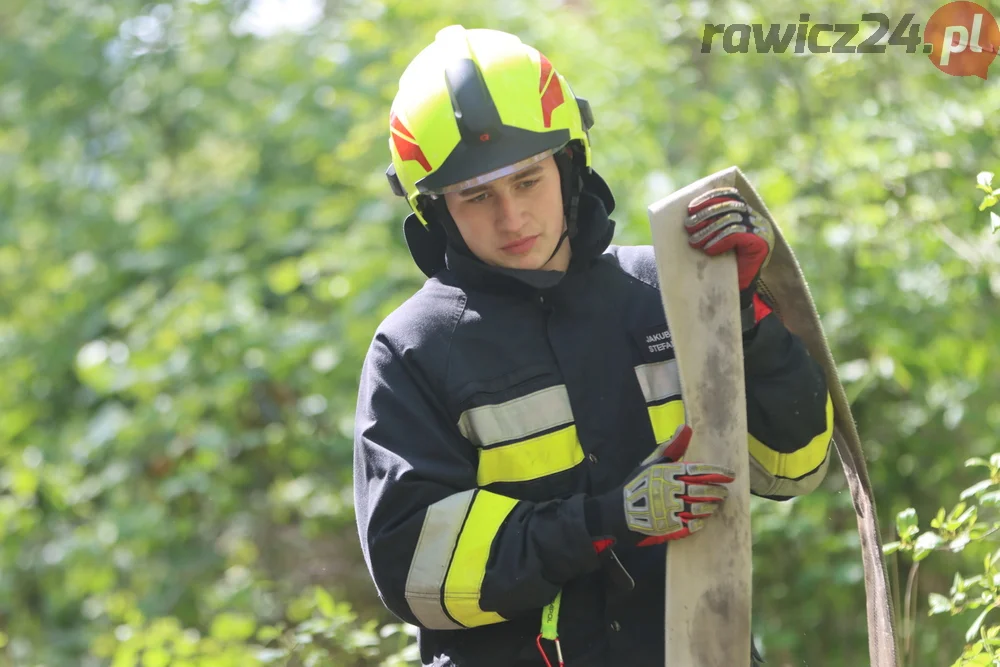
{"points": [[655, 343]]}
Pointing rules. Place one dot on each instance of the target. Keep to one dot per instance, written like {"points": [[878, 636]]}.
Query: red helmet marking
{"points": [[551, 91], [405, 144]]}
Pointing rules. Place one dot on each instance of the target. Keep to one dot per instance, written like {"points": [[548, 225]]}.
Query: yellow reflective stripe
{"points": [[799, 463], [665, 418], [463, 585], [518, 418], [530, 459]]}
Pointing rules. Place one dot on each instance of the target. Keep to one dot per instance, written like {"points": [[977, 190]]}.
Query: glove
{"points": [[661, 500], [721, 220]]}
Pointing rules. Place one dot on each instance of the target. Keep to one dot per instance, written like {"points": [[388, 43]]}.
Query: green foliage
{"points": [[971, 525], [985, 183], [197, 243], [319, 631]]}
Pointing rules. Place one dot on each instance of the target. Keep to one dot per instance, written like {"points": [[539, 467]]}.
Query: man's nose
{"points": [[509, 213]]}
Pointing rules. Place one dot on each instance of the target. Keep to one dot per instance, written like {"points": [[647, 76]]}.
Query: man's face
{"points": [[515, 221]]}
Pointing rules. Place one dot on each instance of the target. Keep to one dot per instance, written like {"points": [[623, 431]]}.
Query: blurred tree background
{"points": [[197, 242]]}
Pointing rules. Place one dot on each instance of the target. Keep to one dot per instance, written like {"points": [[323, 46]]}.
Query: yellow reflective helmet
{"points": [[474, 106]]}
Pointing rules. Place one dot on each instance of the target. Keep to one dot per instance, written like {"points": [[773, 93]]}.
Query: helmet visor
{"points": [[506, 170]]}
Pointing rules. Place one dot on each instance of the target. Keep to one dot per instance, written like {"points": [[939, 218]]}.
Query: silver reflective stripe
{"points": [[519, 418], [429, 566], [493, 175], [761, 481], [659, 380]]}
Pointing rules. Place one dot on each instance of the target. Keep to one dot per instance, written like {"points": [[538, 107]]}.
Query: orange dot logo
{"points": [[962, 39]]}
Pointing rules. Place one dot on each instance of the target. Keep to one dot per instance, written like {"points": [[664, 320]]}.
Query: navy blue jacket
{"points": [[489, 409]]}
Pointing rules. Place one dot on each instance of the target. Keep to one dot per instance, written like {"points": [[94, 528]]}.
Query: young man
{"points": [[519, 419]]}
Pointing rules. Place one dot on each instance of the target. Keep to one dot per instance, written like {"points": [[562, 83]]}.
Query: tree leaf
{"points": [[267, 656], [268, 633], [325, 603], [233, 626], [957, 584], [939, 604], [973, 630], [926, 543], [959, 543], [955, 514], [155, 656], [967, 515], [976, 489], [906, 523], [982, 660]]}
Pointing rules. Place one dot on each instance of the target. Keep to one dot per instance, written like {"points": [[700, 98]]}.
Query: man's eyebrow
{"points": [[530, 171], [473, 191]]}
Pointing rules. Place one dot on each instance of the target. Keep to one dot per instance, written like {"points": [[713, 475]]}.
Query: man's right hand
{"points": [[663, 499]]}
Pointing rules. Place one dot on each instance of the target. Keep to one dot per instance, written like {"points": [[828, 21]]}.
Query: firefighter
{"points": [[519, 421]]}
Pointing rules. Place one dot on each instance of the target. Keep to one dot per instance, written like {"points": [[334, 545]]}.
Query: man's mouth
{"points": [[521, 246]]}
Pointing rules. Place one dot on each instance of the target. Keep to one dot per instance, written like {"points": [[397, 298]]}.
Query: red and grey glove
{"points": [[661, 500], [721, 220]]}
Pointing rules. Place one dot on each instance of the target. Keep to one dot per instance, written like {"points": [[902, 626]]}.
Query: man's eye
{"points": [[528, 183], [478, 198]]}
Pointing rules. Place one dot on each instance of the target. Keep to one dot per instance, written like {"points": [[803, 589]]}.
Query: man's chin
{"points": [[530, 262], [538, 259]]}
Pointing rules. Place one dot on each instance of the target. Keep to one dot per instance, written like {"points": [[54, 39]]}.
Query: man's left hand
{"points": [[721, 220]]}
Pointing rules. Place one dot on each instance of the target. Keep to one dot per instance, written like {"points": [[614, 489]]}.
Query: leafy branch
{"points": [[953, 531], [984, 182]]}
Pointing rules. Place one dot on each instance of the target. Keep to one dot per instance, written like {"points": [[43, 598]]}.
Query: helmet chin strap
{"points": [[572, 184], [562, 238]]}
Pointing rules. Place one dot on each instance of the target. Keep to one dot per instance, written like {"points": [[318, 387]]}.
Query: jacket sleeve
{"points": [[443, 553], [789, 413]]}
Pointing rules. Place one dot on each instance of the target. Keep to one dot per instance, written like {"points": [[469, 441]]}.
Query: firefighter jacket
{"points": [[488, 409]]}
